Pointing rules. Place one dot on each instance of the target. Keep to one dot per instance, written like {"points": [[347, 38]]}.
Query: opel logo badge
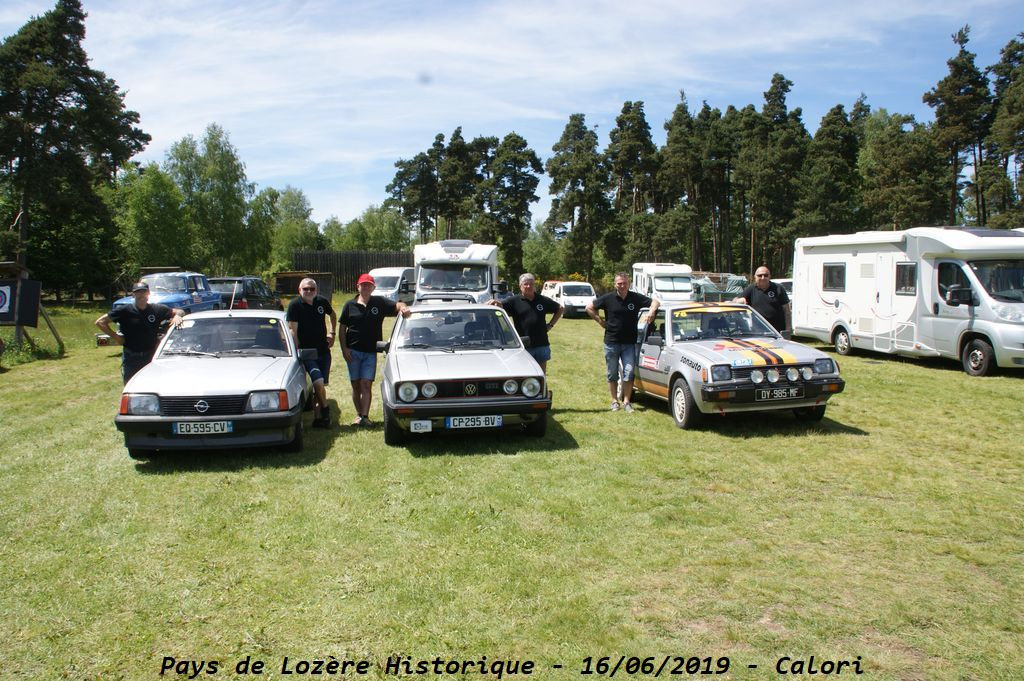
{"points": [[202, 406], [471, 388]]}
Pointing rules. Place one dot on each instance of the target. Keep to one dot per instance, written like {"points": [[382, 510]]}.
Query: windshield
{"points": [[453, 277], [668, 284], [449, 329], [386, 283], [1003, 279], [227, 336], [578, 290], [165, 283], [718, 322]]}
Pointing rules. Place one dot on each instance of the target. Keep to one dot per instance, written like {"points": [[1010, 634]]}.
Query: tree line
{"points": [[726, 191]]}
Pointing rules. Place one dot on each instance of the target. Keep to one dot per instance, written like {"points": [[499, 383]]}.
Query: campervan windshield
{"points": [[1003, 279], [453, 277], [672, 284]]}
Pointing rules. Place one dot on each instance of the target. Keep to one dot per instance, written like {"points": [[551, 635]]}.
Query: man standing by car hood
{"points": [[307, 315], [140, 328]]}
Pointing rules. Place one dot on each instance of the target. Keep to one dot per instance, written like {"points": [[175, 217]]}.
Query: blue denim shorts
{"points": [[541, 353], [362, 366], [620, 352], [319, 369]]}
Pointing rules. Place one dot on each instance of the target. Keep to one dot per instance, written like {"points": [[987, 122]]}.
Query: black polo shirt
{"points": [[141, 328], [528, 317], [621, 315], [768, 303], [312, 328], [364, 323]]}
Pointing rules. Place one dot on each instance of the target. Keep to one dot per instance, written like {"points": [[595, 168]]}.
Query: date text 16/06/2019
{"points": [[676, 665]]}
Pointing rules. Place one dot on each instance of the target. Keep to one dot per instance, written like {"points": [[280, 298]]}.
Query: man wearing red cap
{"points": [[362, 325]]}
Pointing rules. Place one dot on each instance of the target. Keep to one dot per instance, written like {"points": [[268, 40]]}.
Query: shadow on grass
{"points": [[486, 442], [948, 365]]}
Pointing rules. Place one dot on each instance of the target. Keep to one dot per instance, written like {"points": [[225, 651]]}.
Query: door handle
{"points": [[877, 294], [935, 308]]}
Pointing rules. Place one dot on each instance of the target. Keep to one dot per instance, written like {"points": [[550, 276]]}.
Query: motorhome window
{"points": [[453, 277], [1003, 279], [906, 278], [834, 277], [951, 274], [669, 284]]}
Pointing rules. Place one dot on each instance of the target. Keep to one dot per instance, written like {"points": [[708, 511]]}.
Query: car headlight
{"points": [[792, 374], [806, 372], [773, 375], [721, 372], [429, 390], [1009, 313], [407, 392], [824, 366], [531, 387], [510, 387], [757, 376], [140, 405], [268, 400]]}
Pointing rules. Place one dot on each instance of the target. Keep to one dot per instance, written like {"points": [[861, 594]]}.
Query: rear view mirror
{"points": [[383, 346], [958, 295]]}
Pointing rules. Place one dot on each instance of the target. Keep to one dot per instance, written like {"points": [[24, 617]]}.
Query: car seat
{"points": [[717, 326], [267, 339], [476, 330], [421, 334]]}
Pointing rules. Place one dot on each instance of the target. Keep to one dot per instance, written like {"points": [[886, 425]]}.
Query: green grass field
{"points": [[891, 534]]}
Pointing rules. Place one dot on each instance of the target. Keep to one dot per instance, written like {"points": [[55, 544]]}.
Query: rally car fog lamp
{"points": [[806, 372], [773, 375], [721, 372], [429, 390], [824, 366], [531, 387], [792, 374], [757, 376], [268, 400], [510, 387], [140, 405], [407, 392]]}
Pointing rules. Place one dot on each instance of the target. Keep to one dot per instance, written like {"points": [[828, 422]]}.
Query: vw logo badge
{"points": [[470, 389], [374, 311], [540, 307], [630, 307], [202, 406], [152, 318], [320, 309]]}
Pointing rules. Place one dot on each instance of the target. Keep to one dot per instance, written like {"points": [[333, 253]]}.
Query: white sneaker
{"points": [[628, 408], [615, 406]]}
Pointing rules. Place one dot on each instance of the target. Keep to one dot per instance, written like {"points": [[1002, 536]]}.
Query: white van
{"points": [[664, 281], [573, 296], [926, 292], [389, 282]]}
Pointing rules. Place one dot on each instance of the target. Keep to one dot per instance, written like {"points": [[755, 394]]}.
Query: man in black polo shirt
{"points": [[362, 323], [528, 311], [140, 328], [307, 320], [768, 299], [621, 314]]}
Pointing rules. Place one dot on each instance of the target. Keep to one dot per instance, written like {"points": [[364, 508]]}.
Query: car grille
{"points": [[227, 405], [484, 388]]}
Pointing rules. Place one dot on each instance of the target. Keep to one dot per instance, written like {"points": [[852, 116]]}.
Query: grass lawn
{"points": [[891, 534]]}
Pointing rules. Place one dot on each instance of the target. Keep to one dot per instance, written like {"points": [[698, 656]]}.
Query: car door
{"points": [[942, 327], [651, 377]]}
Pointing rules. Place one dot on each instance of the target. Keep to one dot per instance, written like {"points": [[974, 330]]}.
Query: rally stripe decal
{"points": [[765, 354], [784, 357]]}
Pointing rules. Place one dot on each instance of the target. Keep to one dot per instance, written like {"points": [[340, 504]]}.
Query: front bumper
{"points": [[744, 397], [517, 412], [248, 430]]}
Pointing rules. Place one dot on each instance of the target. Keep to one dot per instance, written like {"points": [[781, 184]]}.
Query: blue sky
{"points": [[326, 95]]}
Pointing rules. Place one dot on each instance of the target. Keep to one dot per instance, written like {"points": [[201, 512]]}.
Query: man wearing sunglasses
{"points": [[769, 299], [307, 320]]}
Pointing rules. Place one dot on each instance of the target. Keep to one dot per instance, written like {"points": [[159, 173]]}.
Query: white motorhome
{"points": [[456, 267], [663, 281], [926, 292]]}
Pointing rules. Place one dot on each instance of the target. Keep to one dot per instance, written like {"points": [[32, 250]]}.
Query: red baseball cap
{"points": [[365, 279]]}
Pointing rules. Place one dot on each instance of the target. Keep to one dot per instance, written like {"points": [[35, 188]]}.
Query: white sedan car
{"points": [[460, 367], [223, 379]]}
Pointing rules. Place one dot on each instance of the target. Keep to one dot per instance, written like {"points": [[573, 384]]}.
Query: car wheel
{"points": [[977, 358], [815, 413], [841, 341], [297, 442], [684, 409], [393, 433], [141, 454], [538, 426]]}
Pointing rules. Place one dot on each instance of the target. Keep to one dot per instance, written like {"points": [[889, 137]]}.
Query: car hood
{"points": [[755, 351], [187, 376], [168, 299], [415, 365]]}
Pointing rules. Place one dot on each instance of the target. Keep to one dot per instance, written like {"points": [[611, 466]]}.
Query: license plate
{"points": [[762, 394], [202, 427], [472, 421], [421, 426]]}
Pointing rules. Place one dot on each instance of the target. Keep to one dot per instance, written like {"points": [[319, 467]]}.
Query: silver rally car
{"points": [[460, 366], [223, 379], [719, 358]]}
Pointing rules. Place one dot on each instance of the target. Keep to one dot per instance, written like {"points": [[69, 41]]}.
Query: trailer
{"points": [[456, 268], [920, 292]]}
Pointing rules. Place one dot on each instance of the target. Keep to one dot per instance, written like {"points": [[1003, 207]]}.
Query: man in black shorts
{"points": [[528, 311], [307, 320], [140, 328], [768, 299]]}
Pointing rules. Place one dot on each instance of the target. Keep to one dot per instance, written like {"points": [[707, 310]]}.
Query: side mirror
{"points": [[655, 339], [502, 287], [403, 287], [526, 341], [957, 295], [383, 346]]}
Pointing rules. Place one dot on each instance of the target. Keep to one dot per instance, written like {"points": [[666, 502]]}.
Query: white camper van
{"points": [[455, 267], [573, 296], [663, 281], [394, 283], [926, 291]]}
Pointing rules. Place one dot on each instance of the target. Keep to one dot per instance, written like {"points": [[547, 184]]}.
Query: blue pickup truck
{"points": [[188, 291]]}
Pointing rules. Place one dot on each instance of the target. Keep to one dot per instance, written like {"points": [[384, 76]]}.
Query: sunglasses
{"points": [[309, 288]]}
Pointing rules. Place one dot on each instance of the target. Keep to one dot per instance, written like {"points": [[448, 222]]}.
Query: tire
{"points": [[539, 426], [978, 359], [297, 442], [815, 413], [684, 409], [393, 433], [841, 341], [141, 454]]}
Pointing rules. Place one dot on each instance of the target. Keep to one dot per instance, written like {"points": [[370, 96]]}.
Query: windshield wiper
{"points": [[192, 353], [259, 352], [421, 346]]}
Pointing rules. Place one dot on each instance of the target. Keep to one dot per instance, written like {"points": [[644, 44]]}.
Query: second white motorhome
{"points": [[926, 291], [663, 281], [456, 267]]}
